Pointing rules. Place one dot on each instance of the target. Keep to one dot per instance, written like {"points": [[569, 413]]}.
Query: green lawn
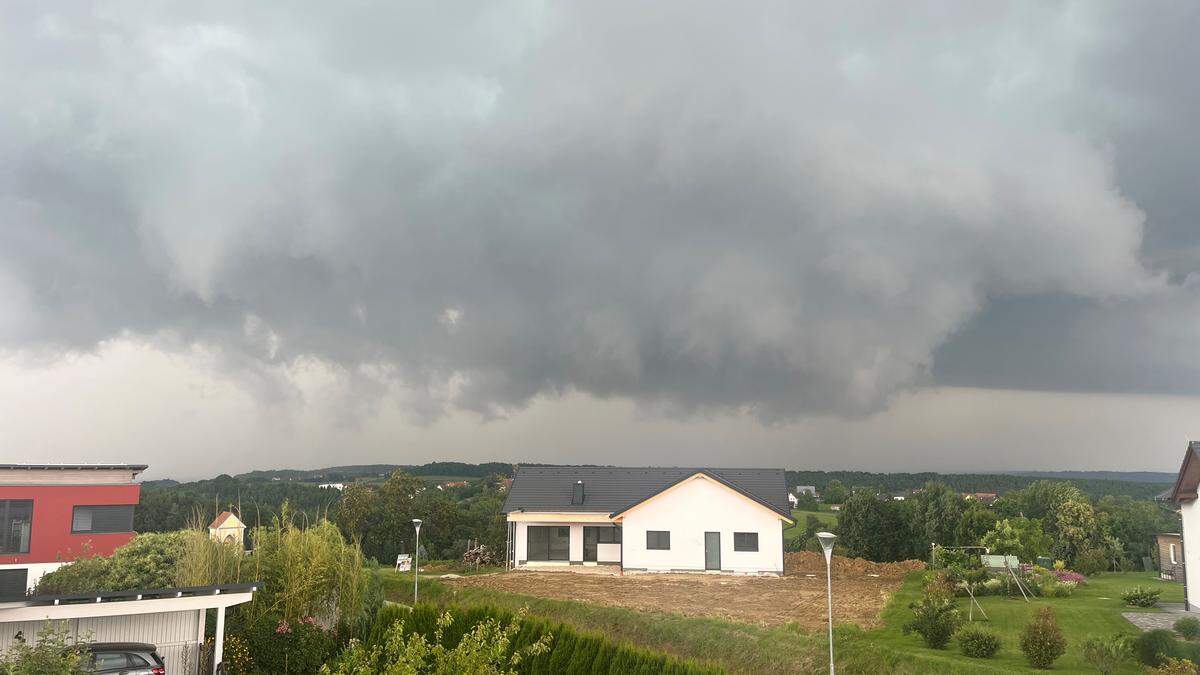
{"points": [[1094, 610], [828, 520]]}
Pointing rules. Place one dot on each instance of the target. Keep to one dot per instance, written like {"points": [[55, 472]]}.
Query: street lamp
{"points": [[416, 557], [826, 539]]}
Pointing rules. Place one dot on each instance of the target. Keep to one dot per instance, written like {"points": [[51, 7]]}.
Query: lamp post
{"points": [[416, 557], [826, 539]]}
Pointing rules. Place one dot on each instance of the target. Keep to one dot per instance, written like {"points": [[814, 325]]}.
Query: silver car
{"points": [[125, 658]]}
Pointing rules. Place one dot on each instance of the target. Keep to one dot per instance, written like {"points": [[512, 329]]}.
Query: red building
{"points": [[52, 513]]}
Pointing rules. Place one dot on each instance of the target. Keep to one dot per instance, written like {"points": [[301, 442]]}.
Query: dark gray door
{"points": [[712, 550]]}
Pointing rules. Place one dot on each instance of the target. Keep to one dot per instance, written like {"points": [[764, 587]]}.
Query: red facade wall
{"points": [[50, 538]]}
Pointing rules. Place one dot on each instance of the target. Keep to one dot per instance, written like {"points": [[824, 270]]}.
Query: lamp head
{"points": [[826, 539], [417, 523]]}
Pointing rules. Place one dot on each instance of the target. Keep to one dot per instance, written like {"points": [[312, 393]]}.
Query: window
{"points": [[1173, 560], [16, 522], [548, 543], [745, 541], [657, 540], [608, 535], [13, 583], [102, 519]]}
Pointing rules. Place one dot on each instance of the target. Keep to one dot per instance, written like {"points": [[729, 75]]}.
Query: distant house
{"points": [[648, 519], [793, 500], [227, 528], [806, 490], [332, 486], [985, 498], [898, 496], [1170, 556], [835, 507], [52, 513], [453, 484]]}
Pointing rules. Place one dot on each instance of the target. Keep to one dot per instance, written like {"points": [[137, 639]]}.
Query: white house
{"points": [[648, 519], [1184, 494]]}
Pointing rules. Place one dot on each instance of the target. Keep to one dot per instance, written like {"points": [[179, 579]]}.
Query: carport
{"points": [[173, 619]]}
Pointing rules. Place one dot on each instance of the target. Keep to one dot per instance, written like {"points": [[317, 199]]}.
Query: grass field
{"points": [[1094, 610]]}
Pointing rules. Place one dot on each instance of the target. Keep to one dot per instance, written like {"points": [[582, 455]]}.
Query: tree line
{"points": [[1046, 518], [968, 482]]}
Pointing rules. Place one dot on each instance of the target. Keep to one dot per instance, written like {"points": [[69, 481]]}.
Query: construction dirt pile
{"points": [[807, 562]]}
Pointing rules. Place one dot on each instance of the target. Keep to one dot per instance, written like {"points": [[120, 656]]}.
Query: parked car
{"points": [[126, 658]]}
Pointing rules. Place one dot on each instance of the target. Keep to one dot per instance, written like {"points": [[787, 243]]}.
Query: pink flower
{"points": [[283, 627], [1067, 575]]}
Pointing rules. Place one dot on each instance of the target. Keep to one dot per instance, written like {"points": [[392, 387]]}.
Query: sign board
{"points": [[403, 562]]}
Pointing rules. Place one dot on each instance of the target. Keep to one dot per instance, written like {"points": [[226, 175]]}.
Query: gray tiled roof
{"points": [[609, 489]]}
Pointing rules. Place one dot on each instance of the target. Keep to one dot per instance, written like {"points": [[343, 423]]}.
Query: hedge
{"points": [[571, 652]]}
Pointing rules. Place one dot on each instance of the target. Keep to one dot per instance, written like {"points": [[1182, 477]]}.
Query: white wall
{"points": [[174, 633], [36, 571], [1190, 511], [604, 552], [688, 511]]}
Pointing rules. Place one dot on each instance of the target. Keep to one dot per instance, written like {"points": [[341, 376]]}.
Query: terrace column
{"points": [[219, 642]]}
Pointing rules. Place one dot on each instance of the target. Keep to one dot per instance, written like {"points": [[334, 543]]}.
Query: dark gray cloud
{"points": [[787, 211]]}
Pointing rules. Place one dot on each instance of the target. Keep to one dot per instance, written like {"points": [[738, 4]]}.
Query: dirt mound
{"points": [[807, 562]]}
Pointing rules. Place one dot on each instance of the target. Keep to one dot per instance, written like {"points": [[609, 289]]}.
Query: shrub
{"points": [[56, 652], [935, 619], [1042, 640], [1140, 596], [1188, 628], [1106, 654], [978, 643], [1056, 589], [1174, 667], [148, 561], [1060, 565], [289, 647], [1092, 561], [1153, 646], [1069, 576]]}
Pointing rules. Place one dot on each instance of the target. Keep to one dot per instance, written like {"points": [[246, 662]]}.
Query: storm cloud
{"points": [[785, 210]]}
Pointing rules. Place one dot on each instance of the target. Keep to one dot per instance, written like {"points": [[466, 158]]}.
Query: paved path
{"points": [[1151, 620]]}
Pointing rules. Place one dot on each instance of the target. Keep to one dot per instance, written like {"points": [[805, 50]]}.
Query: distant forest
{"points": [[259, 495], [975, 482]]}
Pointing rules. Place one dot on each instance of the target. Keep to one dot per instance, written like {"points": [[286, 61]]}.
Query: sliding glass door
{"points": [[548, 543]]}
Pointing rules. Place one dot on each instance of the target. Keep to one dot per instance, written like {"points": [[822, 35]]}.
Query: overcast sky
{"points": [[880, 236]]}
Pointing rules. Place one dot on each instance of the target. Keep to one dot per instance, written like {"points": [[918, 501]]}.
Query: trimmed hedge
{"points": [[571, 652]]}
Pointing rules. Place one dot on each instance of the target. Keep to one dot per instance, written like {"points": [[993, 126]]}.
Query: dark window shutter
{"points": [[13, 583], [102, 519]]}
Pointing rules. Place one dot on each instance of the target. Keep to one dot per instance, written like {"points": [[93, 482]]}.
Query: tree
{"points": [[976, 521], [936, 512], [877, 528], [1075, 529], [1022, 537], [834, 493]]}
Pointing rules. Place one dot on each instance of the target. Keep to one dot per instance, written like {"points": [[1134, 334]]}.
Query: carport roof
{"points": [[608, 489]]}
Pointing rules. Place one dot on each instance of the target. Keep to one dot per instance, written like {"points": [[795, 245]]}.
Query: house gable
{"points": [[699, 475], [1188, 480]]}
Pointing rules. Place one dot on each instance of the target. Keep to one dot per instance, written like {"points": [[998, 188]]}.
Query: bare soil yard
{"points": [[861, 589]]}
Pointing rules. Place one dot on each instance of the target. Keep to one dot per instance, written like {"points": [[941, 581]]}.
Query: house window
{"points": [[102, 519], [1173, 560], [658, 540], [745, 541], [16, 523], [13, 583], [548, 543], [608, 535]]}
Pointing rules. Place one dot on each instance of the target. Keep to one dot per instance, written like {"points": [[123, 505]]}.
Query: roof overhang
{"points": [[125, 603], [557, 517], [617, 516], [1188, 480]]}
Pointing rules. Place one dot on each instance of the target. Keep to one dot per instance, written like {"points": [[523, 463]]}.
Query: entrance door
{"points": [[712, 550], [590, 540]]}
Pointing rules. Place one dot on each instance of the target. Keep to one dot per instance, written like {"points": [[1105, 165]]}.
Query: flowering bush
{"points": [[282, 646], [1042, 640], [1139, 596], [1069, 576]]}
